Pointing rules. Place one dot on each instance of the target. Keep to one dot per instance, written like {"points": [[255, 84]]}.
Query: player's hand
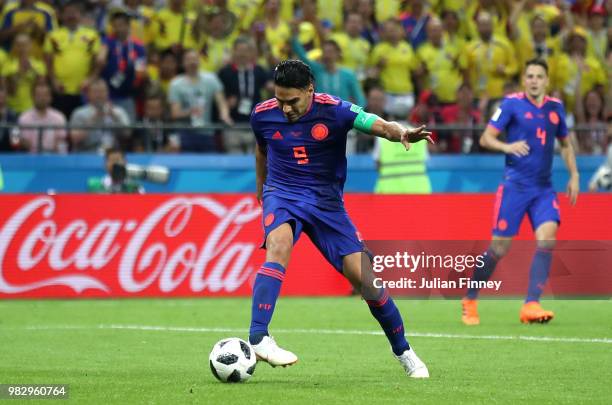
{"points": [[414, 135], [573, 188], [518, 149]]}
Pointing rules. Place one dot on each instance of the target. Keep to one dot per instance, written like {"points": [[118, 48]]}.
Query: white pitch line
{"points": [[320, 332]]}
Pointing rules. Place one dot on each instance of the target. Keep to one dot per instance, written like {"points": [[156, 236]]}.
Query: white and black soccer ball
{"points": [[604, 178], [232, 360]]}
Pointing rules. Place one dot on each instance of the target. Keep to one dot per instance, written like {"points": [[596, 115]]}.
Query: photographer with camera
{"points": [[122, 177], [116, 179]]}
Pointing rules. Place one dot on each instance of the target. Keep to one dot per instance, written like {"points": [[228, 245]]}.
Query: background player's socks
{"points": [[389, 318], [265, 292], [483, 273], [540, 267]]}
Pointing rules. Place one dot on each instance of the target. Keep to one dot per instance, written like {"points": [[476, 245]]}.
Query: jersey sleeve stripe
{"points": [[323, 98], [516, 95], [266, 105], [267, 102], [554, 99]]}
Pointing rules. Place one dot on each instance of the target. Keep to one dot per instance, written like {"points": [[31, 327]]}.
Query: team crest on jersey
{"points": [[319, 132], [553, 117]]}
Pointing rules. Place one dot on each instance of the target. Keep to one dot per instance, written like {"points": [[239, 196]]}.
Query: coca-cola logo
{"points": [[156, 251]]}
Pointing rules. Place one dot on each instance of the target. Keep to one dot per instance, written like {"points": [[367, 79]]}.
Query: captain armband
{"points": [[364, 121]]}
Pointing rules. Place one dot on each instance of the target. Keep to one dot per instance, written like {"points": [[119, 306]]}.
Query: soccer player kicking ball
{"points": [[301, 168], [532, 121]]}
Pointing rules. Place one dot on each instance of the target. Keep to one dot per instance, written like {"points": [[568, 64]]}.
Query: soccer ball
{"points": [[604, 178], [232, 360]]}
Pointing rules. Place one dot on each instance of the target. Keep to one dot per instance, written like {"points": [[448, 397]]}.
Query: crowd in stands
{"points": [[102, 65]]}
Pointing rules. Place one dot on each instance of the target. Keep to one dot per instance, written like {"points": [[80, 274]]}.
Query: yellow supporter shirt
{"points": [[355, 52], [400, 61], [278, 37], [216, 52], [385, 9], [11, 5], [455, 5], [548, 12], [571, 84], [21, 99], [500, 21], [525, 50], [482, 61], [246, 11], [456, 43], [287, 7], [331, 10], [170, 29], [42, 16], [3, 59], [72, 54], [443, 75]]}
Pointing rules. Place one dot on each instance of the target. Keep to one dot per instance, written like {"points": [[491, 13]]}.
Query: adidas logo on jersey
{"points": [[528, 115], [277, 135]]}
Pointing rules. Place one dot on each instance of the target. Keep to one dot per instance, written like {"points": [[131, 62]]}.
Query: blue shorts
{"points": [[332, 232], [512, 202]]}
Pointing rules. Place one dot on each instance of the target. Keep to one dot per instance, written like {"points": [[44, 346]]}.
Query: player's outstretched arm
{"points": [[489, 140], [567, 153], [261, 169], [395, 132]]}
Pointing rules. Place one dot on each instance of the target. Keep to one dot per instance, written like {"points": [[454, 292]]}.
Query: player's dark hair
{"points": [[293, 74], [537, 62]]}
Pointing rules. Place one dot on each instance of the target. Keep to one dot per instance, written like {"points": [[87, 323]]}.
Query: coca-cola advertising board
{"points": [[208, 245]]}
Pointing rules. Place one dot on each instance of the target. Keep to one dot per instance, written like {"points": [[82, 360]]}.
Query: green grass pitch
{"points": [[156, 351]]}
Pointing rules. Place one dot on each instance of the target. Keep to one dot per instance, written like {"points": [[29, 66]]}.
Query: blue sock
{"points": [[483, 273], [265, 292], [540, 267], [389, 318]]}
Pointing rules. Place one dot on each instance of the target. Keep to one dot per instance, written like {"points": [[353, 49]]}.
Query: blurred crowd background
{"points": [[184, 75]]}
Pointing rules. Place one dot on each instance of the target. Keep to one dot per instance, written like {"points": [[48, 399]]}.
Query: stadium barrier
{"points": [[79, 246], [595, 134], [197, 173]]}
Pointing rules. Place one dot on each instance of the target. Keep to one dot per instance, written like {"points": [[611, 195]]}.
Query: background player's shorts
{"points": [[332, 232], [512, 202]]}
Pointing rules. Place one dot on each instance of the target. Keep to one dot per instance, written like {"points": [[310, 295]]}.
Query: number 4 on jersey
{"points": [[541, 135]]}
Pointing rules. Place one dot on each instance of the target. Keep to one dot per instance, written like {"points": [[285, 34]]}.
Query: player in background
{"points": [[532, 121], [301, 168]]}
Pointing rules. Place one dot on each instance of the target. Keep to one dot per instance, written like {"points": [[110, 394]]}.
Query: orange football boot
{"points": [[532, 312], [470, 312]]}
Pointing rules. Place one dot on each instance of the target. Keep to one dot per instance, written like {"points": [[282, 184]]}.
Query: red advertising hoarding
{"points": [[208, 245]]}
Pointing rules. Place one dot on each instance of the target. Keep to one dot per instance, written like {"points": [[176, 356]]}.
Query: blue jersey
{"points": [[538, 126], [307, 158]]}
